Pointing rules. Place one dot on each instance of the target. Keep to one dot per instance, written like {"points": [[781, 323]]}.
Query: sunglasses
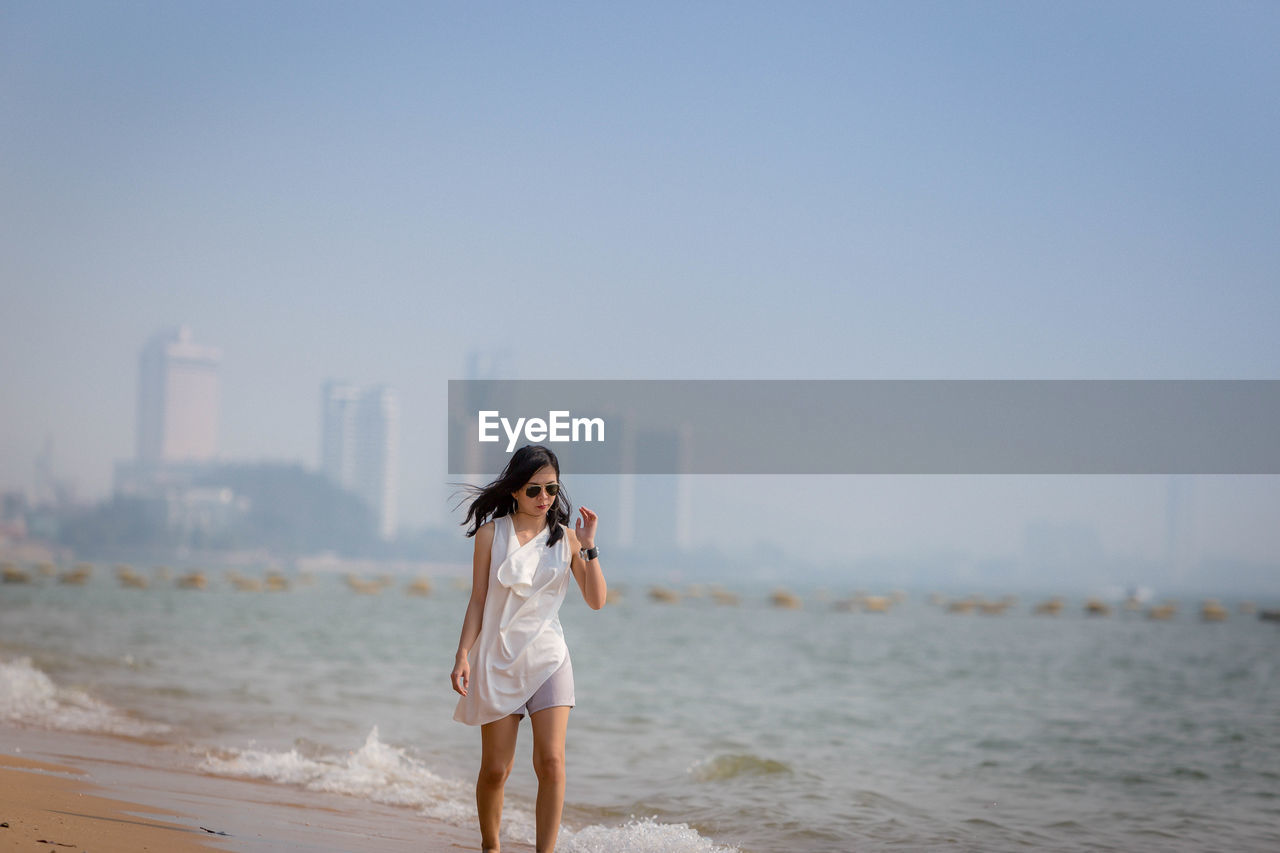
{"points": [[534, 490]]}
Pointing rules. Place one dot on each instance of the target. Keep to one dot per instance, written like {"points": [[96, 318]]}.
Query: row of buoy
{"points": [[1211, 610], [76, 576], [272, 581], [715, 592], [780, 598]]}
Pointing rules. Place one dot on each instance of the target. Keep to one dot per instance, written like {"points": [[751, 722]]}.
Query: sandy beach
{"points": [[44, 804], [104, 794]]}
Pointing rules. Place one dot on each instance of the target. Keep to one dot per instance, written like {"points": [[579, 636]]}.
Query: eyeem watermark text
{"points": [[558, 426], [801, 426]]}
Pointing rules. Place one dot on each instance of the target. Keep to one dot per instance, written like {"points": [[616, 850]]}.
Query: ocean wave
{"points": [[386, 774], [639, 836], [376, 771], [29, 696], [725, 767]]}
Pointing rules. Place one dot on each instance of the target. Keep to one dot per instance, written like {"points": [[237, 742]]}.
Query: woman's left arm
{"points": [[587, 572]]}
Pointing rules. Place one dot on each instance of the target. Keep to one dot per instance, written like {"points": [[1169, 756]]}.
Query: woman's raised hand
{"points": [[585, 528]]}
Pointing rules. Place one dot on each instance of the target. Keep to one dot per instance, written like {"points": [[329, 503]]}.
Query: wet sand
{"points": [[46, 804], [101, 794]]}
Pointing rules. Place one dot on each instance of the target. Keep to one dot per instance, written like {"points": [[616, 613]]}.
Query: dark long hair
{"points": [[495, 501]]}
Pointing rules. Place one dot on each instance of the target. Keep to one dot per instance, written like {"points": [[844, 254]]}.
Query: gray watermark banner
{"points": [[870, 426]]}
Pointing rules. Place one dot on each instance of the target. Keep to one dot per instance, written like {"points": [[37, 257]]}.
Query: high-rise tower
{"points": [[177, 400], [360, 446]]}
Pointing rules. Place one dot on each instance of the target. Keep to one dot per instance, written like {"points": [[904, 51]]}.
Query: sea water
{"points": [[699, 727]]}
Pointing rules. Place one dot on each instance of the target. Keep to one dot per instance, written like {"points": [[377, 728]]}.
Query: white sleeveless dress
{"points": [[521, 642]]}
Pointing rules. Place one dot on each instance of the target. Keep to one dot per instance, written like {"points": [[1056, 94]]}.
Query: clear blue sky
{"points": [[685, 190]]}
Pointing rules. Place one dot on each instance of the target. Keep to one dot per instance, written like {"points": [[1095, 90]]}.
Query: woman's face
{"points": [[541, 502]]}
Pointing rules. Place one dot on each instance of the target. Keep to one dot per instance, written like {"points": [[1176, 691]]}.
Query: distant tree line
{"points": [[293, 510], [122, 521], [285, 509]]}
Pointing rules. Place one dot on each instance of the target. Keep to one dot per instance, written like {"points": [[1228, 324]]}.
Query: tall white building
{"points": [[654, 509], [178, 398], [360, 446]]}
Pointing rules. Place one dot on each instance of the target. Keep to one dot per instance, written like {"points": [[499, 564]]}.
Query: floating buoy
{"points": [[663, 595], [785, 599]]}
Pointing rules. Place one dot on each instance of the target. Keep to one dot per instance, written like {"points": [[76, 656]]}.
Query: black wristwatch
{"points": [[589, 554]]}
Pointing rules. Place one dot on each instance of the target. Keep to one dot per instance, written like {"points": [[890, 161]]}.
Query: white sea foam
{"points": [[639, 836], [29, 696], [376, 771], [387, 774]]}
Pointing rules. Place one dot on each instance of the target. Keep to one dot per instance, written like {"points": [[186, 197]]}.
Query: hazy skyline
{"points": [[712, 190]]}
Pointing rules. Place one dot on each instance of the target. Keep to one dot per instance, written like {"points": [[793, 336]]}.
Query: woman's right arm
{"points": [[461, 674]]}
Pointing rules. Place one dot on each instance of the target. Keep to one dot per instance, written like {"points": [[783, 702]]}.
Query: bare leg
{"points": [[549, 727], [497, 754]]}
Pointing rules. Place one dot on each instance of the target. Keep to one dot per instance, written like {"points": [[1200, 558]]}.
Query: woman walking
{"points": [[512, 659]]}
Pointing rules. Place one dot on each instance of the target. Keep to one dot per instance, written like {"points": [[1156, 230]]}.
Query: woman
{"points": [[512, 657]]}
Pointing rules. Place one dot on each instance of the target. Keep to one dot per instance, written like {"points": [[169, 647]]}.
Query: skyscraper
{"points": [[654, 509], [177, 400], [360, 446]]}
